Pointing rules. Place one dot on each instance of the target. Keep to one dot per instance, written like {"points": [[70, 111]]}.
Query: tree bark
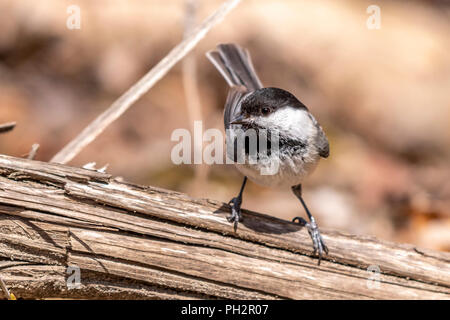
{"points": [[137, 242]]}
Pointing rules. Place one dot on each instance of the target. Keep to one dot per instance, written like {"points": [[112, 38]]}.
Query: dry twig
{"points": [[142, 86], [33, 151], [6, 127]]}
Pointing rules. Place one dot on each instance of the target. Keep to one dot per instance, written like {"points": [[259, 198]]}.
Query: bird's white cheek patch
{"points": [[289, 121]]}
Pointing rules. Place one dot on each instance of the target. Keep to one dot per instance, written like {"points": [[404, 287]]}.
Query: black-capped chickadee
{"points": [[300, 139]]}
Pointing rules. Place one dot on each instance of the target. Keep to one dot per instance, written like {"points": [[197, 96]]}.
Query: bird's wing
{"points": [[232, 105], [322, 144], [321, 139]]}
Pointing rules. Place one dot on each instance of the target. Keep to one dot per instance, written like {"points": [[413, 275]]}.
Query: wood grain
{"points": [[137, 242]]}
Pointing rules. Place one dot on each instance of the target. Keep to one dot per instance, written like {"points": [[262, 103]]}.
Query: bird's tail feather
{"points": [[235, 65]]}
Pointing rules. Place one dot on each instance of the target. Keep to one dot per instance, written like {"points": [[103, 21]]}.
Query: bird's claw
{"points": [[318, 243], [235, 216]]}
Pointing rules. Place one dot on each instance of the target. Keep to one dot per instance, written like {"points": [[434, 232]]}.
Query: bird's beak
{"points": [[239, 120]]}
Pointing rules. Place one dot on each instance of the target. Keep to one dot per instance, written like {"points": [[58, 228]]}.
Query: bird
{"points": [[293, 136]]}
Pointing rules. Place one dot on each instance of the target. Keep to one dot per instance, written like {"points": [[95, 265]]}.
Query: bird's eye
{"points": [[265, 110]]}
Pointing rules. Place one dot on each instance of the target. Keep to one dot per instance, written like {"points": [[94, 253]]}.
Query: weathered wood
{"points": [[138, 242]]}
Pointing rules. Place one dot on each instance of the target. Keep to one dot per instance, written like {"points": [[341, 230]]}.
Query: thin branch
{"points": [[33, 151], [191, 93], [6, 127], [142, 86]]}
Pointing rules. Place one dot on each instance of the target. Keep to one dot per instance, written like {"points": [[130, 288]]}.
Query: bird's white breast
{"points": [[292, 169]]}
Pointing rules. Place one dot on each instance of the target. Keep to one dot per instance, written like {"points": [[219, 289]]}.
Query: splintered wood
{"points": [[136, 242]]}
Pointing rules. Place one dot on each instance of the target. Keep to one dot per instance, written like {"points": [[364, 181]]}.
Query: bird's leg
{"points": [[313, 230], [236, 207]]}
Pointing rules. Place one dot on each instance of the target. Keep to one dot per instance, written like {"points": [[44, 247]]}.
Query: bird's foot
{"points": [[318, 243], [236, 215]]}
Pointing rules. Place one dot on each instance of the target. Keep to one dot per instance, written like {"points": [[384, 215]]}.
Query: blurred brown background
{"points": [[382, 96]]}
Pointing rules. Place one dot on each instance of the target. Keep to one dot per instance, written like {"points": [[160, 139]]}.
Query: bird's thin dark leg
{"points": [[235, 203], [313, 230]]}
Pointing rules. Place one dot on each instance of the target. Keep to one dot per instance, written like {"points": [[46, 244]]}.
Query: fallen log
{"points": [[125, 241]]}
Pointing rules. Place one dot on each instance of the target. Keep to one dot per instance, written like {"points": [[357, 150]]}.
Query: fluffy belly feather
{"points": [[291, 171]]}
